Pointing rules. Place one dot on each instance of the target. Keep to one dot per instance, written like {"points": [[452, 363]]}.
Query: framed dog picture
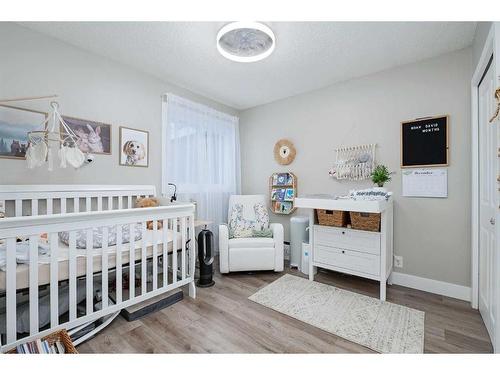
{"points": [[93, 137], [15, 123], [134, 147]]}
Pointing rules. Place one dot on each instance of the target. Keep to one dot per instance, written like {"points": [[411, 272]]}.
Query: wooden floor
{"points": [[222, 320]]}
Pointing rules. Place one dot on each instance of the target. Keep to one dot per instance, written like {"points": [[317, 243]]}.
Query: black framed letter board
{"points": [[424, 142]]}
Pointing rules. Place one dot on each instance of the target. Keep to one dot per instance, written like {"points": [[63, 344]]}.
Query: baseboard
{"points": [[432, 286]]}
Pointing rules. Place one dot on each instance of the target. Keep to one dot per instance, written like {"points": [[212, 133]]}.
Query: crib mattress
{"points": [[22, 270]]}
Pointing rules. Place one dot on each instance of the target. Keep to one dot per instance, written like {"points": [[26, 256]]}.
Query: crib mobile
{"points": [[54, 134], [354, 163]]}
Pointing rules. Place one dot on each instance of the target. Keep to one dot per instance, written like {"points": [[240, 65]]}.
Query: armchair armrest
{"points": [[279, 251], [223, 248]]}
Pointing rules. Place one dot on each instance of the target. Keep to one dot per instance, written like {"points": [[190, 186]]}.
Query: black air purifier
{"points": [[205, 258]]}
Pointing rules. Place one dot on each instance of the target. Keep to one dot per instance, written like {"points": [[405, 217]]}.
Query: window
{"points": [[200, 155]]}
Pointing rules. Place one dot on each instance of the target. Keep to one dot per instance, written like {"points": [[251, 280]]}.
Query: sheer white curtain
{"points": [[201, 155]]}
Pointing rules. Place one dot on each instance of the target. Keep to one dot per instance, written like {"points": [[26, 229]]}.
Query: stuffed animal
{"points": [[149, 202]]}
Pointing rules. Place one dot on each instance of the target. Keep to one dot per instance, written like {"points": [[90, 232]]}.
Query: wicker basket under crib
{"points": [[365, 221], [61, 336], [332, 218]]}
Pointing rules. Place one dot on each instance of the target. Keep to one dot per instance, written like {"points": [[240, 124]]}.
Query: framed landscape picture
{"points": [[134, 147], [94, 137], [15, 123]]}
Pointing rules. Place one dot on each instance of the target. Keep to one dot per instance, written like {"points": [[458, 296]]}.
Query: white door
{"points": [[487, 203]]}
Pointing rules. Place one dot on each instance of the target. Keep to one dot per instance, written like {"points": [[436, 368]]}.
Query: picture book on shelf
{"points": [[282, 207], [282, 179], [278, 194], [289, 194]]}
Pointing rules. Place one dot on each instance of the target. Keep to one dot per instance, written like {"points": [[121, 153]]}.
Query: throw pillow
{"points": [[261, 216], [239, 227], [268, 233]]}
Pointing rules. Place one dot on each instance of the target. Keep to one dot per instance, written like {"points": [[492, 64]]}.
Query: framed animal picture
{"points": [[93, 137], [15, 123], [134, 147]]}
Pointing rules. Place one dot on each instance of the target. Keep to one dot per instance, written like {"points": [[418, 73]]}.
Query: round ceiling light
{"points": [[245, 41]]}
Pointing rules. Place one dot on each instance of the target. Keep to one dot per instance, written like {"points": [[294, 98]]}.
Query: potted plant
{"points": [[381, 175]]}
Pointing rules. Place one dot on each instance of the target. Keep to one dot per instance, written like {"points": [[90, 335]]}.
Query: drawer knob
{"points": [[343, 232], [343, 251]]}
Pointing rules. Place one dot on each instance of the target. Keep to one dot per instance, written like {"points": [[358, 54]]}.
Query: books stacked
{"points": [[41, 347]]}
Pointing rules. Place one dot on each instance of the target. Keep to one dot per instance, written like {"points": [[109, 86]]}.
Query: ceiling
{"points": [[308, 55]]}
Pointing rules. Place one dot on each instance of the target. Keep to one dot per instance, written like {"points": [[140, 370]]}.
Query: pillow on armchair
{"points": [[240, 227]]}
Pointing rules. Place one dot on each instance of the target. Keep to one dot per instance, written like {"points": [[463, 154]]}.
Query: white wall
{"points": [[433, 235], [482, 30], [90, 87]]}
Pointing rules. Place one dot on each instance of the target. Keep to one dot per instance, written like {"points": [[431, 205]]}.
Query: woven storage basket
{"points": [[61, 336], [332, 218], [365, 221]]}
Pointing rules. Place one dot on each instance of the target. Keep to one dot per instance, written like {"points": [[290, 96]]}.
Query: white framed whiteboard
{"points": [[425, 182]]}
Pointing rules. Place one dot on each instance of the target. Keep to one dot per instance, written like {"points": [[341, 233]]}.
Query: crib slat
{"points": [[183, 247], [165, 252], [88, 204], [99, 203], [118, 275], [129, 202], [63, 205], [72, 275], [54, 288], [90, 272], [10, 284], [131, 261], [110, 203], [50, 206], [18, 207], [104, 266], [34, 207], [174, 251], [155, 254], [192, 243], [120, 202], [143, 260], [33, 279], [76, 204]]}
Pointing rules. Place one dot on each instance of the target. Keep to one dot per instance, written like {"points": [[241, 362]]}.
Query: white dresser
{"points": [[355, 252]]}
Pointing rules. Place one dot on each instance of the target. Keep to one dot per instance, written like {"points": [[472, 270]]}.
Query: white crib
{"points": [[163, 258]]}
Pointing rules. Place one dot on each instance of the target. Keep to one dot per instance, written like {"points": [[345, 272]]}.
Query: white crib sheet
{"points": [[22, 270]]}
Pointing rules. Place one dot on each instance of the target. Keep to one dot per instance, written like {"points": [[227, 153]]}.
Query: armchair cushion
{"points": [[257, 242]]}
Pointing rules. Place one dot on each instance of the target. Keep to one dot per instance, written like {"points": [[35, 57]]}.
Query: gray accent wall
{"points": [[90, 87], [432, 234]]}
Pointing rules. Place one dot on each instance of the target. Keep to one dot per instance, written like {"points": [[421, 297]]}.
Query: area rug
{"points": [[381, 326]]}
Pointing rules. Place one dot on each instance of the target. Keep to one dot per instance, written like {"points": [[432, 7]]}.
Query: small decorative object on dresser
{"points": [[134, 147], [284, 152], [283, 191], [381, 175]]}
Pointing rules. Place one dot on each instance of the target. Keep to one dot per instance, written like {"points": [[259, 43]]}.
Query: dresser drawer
{"points": [[366, 242], [350, 260]]}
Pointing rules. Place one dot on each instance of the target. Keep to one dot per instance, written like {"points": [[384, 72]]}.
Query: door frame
{"points": [[491, 48]]}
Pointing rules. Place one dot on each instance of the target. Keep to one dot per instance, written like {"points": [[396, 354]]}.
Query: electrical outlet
{"points": [[398, 261]]}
